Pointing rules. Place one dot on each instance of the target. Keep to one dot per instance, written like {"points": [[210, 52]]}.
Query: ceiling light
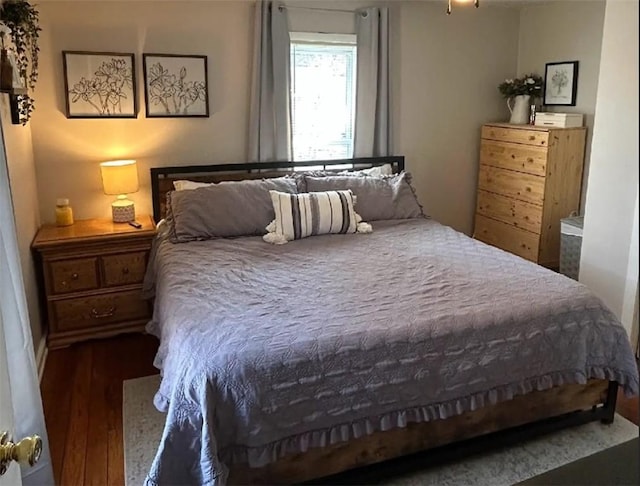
{"points": [[475, 2]]}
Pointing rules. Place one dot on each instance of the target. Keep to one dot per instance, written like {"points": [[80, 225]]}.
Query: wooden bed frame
{"points": [[522, 417]]}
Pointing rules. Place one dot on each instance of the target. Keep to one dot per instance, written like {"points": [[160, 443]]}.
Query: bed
{"points": [[282, 364]]}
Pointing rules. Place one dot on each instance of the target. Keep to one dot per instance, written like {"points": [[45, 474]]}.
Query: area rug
{"points": [[143, 426]]}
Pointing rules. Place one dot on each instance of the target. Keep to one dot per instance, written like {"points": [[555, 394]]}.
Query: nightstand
{"points": [[91, 277]]}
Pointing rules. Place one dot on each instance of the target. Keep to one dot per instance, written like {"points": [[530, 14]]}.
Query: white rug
{"points": [[143, 426]]}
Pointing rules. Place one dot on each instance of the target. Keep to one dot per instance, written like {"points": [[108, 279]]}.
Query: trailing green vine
{"points": [[22, 18]]}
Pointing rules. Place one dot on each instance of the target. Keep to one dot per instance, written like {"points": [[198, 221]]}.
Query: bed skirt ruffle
{"points": [[261, 456]]}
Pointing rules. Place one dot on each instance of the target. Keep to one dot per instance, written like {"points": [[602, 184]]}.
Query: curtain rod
{"points": [[320, 9]]}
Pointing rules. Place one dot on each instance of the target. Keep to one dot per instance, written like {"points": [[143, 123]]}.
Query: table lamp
{"points": [[119, 178]]}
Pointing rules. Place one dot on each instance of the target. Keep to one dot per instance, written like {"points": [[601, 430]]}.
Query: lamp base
{"points": [[123, 210]]}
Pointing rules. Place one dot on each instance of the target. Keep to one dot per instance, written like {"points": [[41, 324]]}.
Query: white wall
{"points": [[446, 88], [565, 31], [22, 179], [445, 73], [612, 193], [67, 151], [630, 302]]}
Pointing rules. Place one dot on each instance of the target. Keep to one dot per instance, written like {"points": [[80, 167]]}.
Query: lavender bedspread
{"points": [[269, 349]]}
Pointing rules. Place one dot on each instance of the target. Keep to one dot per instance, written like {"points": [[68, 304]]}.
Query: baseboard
{"points": [[41, 356]]}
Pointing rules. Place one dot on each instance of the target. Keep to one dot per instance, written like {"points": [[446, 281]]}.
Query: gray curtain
{"points": [[270, 111], [372, 127]]}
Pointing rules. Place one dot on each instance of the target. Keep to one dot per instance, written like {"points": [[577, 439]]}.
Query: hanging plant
{"points": [[22, 19]]}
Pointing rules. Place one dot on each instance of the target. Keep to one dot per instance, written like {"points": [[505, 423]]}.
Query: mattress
{"points": [[269, 350]]}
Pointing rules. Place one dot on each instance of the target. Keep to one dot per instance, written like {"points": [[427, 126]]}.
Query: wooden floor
{"points": [[82, 397]]}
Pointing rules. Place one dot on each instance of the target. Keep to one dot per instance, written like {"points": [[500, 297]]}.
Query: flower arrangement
{"points": [[530, 84], [20, 25]]}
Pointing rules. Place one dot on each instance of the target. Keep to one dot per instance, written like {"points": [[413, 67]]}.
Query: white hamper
{"points": [[570, 245]]}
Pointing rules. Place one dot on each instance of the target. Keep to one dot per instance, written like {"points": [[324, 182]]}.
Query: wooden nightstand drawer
{"points": [[517, 213], [98, 310], [92, 273], [507, 237], [123, 268], [539, 138], [513, 156], [525, 187], [73, 275]]}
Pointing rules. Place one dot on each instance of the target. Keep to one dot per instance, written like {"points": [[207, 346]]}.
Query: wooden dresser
{"points": [[529, 178], [91, 277]]}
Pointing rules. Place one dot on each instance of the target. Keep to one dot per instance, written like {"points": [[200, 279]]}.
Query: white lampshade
{"points": [[119, 177]]}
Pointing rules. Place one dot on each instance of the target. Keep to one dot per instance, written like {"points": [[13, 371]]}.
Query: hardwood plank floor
{"points": [[82, 398]]}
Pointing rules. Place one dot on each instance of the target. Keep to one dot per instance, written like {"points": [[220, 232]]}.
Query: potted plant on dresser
{"points": [[19, 32], [523, 92]]}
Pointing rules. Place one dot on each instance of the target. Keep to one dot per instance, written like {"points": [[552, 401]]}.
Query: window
{"points": [[323, 95]]}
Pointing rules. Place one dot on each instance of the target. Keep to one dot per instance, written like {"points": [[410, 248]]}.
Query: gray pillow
{"points": [[226, 209], [375, 171], [389, 197]]}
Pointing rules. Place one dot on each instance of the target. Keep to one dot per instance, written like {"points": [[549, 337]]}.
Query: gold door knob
{"points": [[26, 452]]}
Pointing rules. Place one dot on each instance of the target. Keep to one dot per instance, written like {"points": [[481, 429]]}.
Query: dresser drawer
{"points": [[539, 138], [515, 240], [516, 213], [525, 187], [73, 275], [85, 312], [523, 158], [123, 268]]}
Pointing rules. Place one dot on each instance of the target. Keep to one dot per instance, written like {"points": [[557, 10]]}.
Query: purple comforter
{"points": [[267, 350]]}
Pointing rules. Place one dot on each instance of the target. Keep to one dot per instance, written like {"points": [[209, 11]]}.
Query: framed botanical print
{"points": [[561, 83], [99, 84], [175, 85]]}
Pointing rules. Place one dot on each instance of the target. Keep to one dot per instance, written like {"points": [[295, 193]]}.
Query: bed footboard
{"points": [[507, 422]]}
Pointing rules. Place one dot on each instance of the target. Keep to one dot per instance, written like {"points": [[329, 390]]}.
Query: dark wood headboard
{"points": [[162, 177]]}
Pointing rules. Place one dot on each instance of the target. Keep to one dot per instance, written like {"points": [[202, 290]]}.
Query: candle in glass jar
{"points": [[64, 213]]}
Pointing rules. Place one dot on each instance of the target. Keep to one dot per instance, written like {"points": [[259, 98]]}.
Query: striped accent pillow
{"points": [[313, 213]]}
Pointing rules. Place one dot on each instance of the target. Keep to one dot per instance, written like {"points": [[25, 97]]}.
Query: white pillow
{"points": [[379, 171], [189, 185], [313, 213]]}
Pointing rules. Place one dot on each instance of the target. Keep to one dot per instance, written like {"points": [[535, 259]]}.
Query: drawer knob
{"points": [[95, 314], [125, 270], [74, 276], [530, 160]]}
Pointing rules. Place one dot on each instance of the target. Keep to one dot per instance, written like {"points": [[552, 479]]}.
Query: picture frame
{"points": [[99, 84], [175, 85], [560, 83]]}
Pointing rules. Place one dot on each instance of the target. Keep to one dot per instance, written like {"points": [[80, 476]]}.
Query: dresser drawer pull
{"points": [[125, 270], [74, 276], [532, 137], [101, 315]]}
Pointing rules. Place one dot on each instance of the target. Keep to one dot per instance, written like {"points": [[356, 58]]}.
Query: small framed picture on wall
{"points": [[99, 84], [560, 83], [175, 85]]}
